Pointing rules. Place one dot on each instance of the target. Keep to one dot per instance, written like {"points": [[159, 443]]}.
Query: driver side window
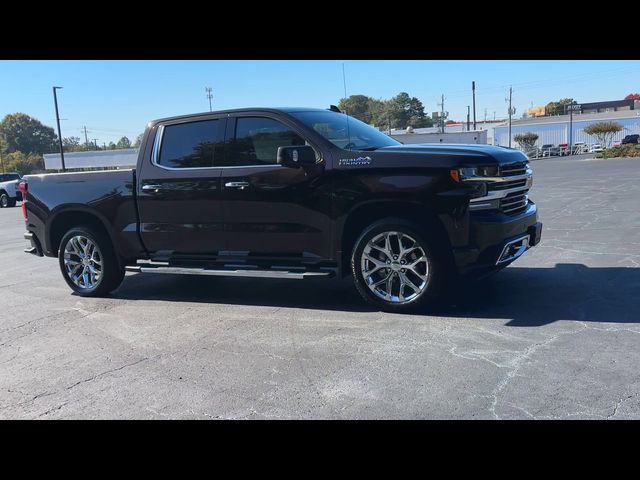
{"points": [[256, 141]]}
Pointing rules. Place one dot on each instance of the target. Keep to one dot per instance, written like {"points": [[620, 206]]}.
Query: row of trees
{"points": [[602, 131], [400, 111], [73, 144], [24, 139]]}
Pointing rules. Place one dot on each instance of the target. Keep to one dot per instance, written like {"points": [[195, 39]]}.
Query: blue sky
{"points": [[116, 98]]}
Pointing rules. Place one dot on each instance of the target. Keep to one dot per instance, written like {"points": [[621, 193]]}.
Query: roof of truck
{"points": [[240, 110]]}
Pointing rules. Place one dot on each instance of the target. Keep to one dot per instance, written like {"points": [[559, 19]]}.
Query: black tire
{"points": [[436, 278], [4, 200], [112, 273]]}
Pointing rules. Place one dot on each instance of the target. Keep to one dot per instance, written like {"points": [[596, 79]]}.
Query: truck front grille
{"points": [[514, 203], [514, 169], [509, 193]]}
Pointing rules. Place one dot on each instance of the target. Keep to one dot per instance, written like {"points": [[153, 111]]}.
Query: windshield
{"points": [[9, 176], [344, 131]]}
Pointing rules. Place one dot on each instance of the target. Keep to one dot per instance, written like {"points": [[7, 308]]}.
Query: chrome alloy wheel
{"points": [[395, 267], [83, 262]]}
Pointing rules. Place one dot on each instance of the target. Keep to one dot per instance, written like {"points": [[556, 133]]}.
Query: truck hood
{"points": [[436, 155]]}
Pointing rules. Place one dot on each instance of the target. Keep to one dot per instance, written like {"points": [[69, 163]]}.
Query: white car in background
{"points": [[595, 148], [9, 193]]}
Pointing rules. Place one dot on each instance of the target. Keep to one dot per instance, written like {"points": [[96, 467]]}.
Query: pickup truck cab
{"points": [[288, 193], [9, 192]]}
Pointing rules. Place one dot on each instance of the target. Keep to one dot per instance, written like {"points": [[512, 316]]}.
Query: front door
{"points": [[270, 211], [179, 194]]}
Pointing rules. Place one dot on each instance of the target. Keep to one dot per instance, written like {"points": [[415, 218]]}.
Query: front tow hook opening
{"points": [[513, 249]]}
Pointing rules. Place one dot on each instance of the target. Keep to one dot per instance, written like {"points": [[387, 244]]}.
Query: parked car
{"points": [[9, 192], [595, 148], [630, 139], [550, 150], [290, 194], [563, 149]]}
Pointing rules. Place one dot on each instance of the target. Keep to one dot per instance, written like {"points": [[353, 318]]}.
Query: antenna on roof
{"points": [[333, 108]]}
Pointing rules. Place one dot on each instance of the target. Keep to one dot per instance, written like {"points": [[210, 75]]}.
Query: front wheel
{"points": [[394, 267], [88, 262], [4, 200]]}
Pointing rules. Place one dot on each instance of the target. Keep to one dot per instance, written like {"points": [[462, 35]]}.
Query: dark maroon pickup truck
{"points": [[288, 193]]}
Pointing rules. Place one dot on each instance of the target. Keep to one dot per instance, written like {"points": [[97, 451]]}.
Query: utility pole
{"points": [[485, 115], [468, 121], [104, 145], [473, 88], [86, 139], [510, 113], [209, 96], [55, 101], [2, 163], [441, 105]]}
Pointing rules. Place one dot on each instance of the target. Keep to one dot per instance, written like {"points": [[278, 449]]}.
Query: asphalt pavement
{"points": [[555, 335]]}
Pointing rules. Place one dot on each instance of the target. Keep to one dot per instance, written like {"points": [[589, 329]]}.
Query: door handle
{"points": [[155, 188], [238, 185]]}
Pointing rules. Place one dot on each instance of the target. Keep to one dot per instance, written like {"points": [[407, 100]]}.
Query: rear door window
{"points": [[191, 144]]}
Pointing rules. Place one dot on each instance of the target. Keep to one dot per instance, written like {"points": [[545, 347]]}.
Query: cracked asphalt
{"points": [[555, 335]]}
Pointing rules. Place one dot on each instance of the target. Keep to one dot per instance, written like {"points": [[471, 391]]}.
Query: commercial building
{"points": [[555, 130], [126, 157]]}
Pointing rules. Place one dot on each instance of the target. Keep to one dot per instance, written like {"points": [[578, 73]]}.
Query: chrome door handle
{"points": [[152, 187], [238, 185]]}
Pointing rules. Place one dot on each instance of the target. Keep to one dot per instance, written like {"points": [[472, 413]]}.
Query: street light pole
{"points": [[55, 101]]}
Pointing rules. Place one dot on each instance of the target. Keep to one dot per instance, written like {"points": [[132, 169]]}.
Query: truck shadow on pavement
{"points": [[524, 296]]}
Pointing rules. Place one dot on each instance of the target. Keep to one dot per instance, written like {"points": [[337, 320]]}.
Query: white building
{"points": [[125, 157], [555, 130]]}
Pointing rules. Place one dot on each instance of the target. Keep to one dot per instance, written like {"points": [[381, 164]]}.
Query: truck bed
{"points": [[109, 194]]}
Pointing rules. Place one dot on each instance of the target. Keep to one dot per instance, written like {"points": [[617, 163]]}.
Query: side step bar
{"points": [[229, 273]]}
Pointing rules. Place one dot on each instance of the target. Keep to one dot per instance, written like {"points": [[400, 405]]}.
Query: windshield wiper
{"points": [[368, 149]]}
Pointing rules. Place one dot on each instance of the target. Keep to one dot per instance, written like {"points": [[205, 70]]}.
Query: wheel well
{"points": [[363, 216], [67, 220], [3, 192]]}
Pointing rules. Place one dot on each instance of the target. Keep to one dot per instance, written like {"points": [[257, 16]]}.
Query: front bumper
{"points": [[491, 235]]}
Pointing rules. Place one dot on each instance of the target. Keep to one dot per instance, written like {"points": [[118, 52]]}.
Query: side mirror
{"points": [[296, 156]]}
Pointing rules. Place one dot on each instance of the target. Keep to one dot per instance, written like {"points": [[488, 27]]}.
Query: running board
{"points": [[230, 273]]}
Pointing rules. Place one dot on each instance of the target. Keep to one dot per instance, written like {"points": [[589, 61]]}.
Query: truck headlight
{"points": [[474, 173]]}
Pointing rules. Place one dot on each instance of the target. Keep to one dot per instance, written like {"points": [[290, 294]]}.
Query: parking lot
{"points": [[555, 335]]}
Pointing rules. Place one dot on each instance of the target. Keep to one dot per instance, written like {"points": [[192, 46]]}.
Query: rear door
{"points": [[272, 212], [179, 194]]}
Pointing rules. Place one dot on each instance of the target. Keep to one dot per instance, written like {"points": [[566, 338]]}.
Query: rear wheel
{"points": [[4, 200], [394, 267], [88, 262]]}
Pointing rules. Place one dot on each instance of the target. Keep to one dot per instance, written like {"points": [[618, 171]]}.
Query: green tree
{"points": [[111, 146], [408, 111], [603, 131], [138, 141], [72, 144], [558, 108], [527, 140], [124, 142], [357, 106], [23, 133], [23, 163]]}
